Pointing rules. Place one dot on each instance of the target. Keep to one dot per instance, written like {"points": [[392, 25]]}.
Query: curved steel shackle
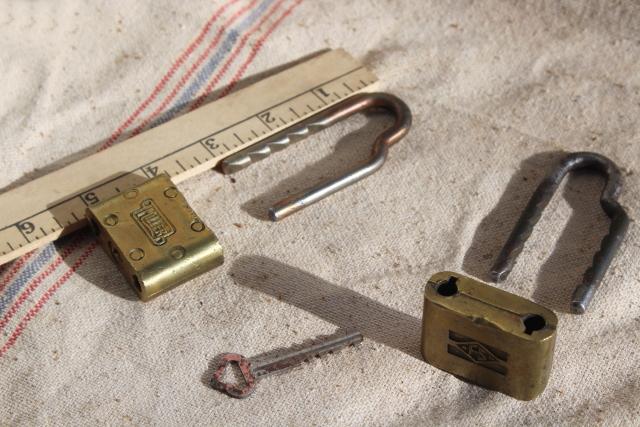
{"points": [[323, 119], [583, 294]]}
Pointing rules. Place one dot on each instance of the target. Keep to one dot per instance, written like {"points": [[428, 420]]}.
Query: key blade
{"points": [[290, 359]]}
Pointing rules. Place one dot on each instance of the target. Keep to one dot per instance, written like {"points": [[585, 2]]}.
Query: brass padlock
{"points": [[154, 237], [487, 336]]}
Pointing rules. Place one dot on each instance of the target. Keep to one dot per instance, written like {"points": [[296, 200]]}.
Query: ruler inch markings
{"points": [[294, 112], [91, 189], [319, 97], [145, 172], [286, 89], [255, 115], [21, 230], [264, 117], [206, 147]]}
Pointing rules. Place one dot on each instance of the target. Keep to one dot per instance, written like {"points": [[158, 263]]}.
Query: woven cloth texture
{"points": [[499, 90]]}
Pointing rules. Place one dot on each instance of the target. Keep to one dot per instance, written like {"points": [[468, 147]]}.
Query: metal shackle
{"points": [[619, 223], [355, 104]]}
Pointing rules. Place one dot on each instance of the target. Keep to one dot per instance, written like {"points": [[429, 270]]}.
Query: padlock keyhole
{"points": [[533, 322], [449, 287]]}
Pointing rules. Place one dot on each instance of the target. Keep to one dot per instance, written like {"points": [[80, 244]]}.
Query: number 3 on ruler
{"points": [[211, 143]]}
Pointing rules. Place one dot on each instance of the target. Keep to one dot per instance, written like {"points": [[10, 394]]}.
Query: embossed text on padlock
{"points": [[154, 237]]}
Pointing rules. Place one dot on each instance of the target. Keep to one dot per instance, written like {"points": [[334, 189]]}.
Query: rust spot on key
{"points": [[255, 368], [234, 389]]}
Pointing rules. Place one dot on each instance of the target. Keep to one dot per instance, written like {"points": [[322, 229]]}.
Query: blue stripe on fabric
{"points": [[35, 265], [25, 276], [207, 70]]}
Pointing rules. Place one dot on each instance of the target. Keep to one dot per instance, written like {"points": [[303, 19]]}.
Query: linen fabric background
{"points": [[498, 89]]}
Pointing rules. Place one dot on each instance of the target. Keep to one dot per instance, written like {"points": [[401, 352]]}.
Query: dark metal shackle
{"points": [[619, 224], [355, 104]]}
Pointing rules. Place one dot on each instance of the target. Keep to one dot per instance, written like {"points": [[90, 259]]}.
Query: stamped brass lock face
{"points": [[487, 336], [154, 237]]}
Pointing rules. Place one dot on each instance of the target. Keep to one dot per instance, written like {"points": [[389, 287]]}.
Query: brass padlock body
{"points": [[487, 336], [154, 237]]}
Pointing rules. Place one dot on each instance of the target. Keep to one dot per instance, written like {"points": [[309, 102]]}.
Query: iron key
{"points": [[253, 369]]}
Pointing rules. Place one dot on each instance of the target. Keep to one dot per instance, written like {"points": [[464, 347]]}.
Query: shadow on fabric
{"points": [[342, 307], [353, 148], [574, 248]]}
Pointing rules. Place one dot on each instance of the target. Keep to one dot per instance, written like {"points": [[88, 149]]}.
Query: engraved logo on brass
{"points": [[153, 222], [477, 352]]}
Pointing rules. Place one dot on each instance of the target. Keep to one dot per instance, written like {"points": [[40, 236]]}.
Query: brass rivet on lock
{"points": [[111, 220], [177, 252], [136, 254], [197, 226], [131, 194], [171, 192]]}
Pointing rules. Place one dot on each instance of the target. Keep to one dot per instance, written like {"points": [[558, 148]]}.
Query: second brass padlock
{"points": [[487, 336]]}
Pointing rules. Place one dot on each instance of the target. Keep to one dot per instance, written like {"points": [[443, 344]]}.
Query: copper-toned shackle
{"points": [[323, 119]]}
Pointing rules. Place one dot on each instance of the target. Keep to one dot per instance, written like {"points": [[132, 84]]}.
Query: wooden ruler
{"points": [[48, 207]]}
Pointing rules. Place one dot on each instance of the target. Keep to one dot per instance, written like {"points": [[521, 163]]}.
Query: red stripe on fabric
{"points": [[52, 290], [218, 76], [44, 298], [161, 108], [181, 59], [66, 251], [13, 270], [165, 79], [256, 49]]}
